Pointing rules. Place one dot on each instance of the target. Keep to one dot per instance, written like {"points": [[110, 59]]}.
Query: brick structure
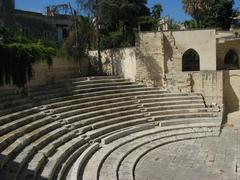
{"points": [[33, 24]]}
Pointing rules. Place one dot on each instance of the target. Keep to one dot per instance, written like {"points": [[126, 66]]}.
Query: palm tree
{"points": [[197, 8], [157, 11]]}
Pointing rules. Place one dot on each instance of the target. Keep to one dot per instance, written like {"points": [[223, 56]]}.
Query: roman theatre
{"points": [[167, 109]]}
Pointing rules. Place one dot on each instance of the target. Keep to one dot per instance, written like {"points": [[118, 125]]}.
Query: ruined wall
{"points": [[150, 58], [210, 84], [231, 90], [203, 41], [175, 45], [223, 47], [61, 68], [121, 62]]}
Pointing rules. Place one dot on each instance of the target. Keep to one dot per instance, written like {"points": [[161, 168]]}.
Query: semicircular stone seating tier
{"points": [[94, 128]]}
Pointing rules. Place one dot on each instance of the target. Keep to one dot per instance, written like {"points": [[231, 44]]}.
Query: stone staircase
{"points": [[94, 128]]}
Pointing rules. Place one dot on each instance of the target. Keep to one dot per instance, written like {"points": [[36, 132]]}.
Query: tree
{"points": [[173, 26], [157, 11], [210, 13], [220, 15], [91, 7], [117, 15], [197, 8]]}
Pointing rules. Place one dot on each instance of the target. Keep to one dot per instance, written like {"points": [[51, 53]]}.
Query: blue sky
{"points": [[173, 8]]}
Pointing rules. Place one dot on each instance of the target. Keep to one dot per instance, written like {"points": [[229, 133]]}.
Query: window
{"points": [[47, 35], [231, 60], [25, 32], [190, 61]]}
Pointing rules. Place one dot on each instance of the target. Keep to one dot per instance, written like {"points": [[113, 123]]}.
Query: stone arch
{"points": [[191, 60], [231, 60]]}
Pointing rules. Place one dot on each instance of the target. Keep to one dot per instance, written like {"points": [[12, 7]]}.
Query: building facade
{"points": [[33, 24]]}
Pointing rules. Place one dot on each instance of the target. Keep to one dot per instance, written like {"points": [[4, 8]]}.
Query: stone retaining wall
{"points": [[121, 62], [231, 90], [61, 68]]}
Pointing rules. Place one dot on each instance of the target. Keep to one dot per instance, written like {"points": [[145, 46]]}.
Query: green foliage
{"points": [[220, 15], [173, 26], [116, 16], [191, 24], [157, 11], [209, 14], [112, 40], [18, 54], [80, 37], [148, 23]]}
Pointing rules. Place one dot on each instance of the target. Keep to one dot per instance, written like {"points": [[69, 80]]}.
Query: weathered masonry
{"points": [[203, 61]]}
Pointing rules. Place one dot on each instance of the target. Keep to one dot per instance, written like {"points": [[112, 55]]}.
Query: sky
{"points": [[172, 8]]}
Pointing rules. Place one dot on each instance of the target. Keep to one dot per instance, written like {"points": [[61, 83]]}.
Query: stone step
{"points": [[156, 107], [172, 98], [111, 164], [67, 166], [17, 115], [37, 99], [60, 156], [64, 101], [41, 96], [6, 139], [123, 133], [94, 105], [169, 103], [126, 167], [93, 114], [100, 131], [14, 109], [93, 167], [87, 90], [98, 119], [117, 92], [74, 82], [185, 115], [90, 78], [40, 158], [91, 104], [116, 120], [172, 122], [177, 111], [5, 128], [97, 110], [78, 86], [78, 165], [168, 94], [16, 146], [25, 155]]}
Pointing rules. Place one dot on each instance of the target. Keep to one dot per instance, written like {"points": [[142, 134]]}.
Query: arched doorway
{"points": [[231, 60], [191, 61]]}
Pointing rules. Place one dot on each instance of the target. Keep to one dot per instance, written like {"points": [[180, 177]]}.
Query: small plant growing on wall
{"points": [[17, 56]]}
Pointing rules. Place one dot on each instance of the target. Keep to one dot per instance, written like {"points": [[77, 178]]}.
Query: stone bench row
{"points": [[26, 103], [69, 110], [11, 94], [82, 116], [13, 149], [103, 127], [64, 92], [91, 100], [101, 163]]}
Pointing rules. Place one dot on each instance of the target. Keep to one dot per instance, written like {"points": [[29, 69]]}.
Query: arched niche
{"points": [[190, 61], [231, 60]]}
